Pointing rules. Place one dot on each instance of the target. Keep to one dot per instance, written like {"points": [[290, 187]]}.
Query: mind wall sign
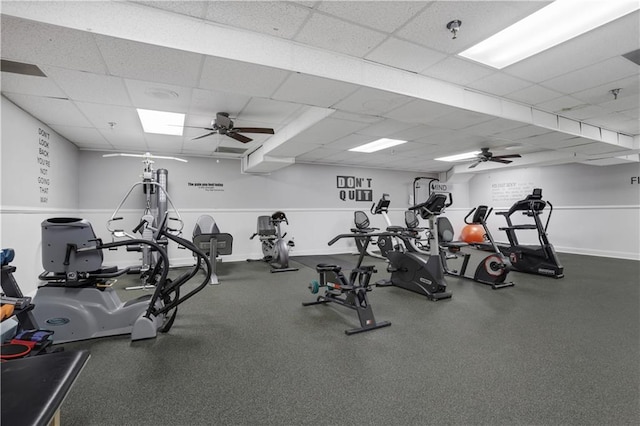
{"points": [[354, 188]]}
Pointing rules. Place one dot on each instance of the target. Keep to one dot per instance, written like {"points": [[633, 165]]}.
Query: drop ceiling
{"points": [[326, 76]]}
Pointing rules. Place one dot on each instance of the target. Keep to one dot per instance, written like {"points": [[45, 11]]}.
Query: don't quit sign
{"points": [[354, 188]]}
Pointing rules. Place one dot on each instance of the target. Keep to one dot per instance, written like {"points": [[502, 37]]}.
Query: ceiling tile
{"points": [[276, 18], [457, 71], [499, 84], [629, 90], [404, 55], [334, 34], [492, 127], [328, 130], [385, 16], [83, 137], [318, 153], [190, 8], [239, 77], [415, 133], [561, 104], [101, 115], [123, 139], [270, 111], [461, 119], [362, 118], [419, 111], [348, 142], [141, 61], [158, 96], [603, 43], [533, 95], [316, 91], [209, 102], [480, 19], [30, 85], [385, 128], [521, 132], [41, 44], [88, 87], [612, 69], [50, 111], [371, 101]]}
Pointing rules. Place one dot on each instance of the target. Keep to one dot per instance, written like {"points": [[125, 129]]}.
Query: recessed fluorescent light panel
{"points": [[460, 157], [378, 145], [164, 123], [556, 23]]}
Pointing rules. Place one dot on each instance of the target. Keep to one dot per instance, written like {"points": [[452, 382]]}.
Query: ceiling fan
{"points": [[486, 155], [223, 125]]}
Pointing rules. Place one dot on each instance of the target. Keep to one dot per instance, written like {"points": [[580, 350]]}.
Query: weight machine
{"points": [[154, 185]]}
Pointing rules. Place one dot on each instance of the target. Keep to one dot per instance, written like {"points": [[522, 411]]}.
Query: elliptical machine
{"points": [[472, 262], [413, 270], [77, 300], [541, 259], [274, 249]]}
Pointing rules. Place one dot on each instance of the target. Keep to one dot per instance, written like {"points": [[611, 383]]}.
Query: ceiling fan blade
{"points": [[500, 160], [253, 130], [204, 136], [194, 127], [508, 156], [475, 164], [239, 137]]}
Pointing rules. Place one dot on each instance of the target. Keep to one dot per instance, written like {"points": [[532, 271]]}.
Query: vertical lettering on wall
{"points": [[44, 164]]}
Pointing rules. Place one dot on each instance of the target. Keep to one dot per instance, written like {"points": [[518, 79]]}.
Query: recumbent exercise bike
{"points": [[275, 250], [470, 260]]}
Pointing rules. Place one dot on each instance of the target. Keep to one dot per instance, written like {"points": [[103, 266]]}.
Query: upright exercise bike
{"points": [[275, 250], [533, 259], [350, 292], [470, 261]]}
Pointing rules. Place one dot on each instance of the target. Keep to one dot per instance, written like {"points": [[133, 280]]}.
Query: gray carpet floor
{"points": [[246, 352]]}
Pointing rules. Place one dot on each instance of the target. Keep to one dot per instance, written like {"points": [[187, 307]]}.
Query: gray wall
{"points": [[39, 180], [308, 194], [596, 208]]}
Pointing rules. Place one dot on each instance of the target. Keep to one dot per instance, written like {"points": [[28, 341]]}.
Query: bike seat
{"points": [[395, 229]]}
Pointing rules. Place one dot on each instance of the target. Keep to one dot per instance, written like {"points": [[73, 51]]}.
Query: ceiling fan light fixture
{"points": [[161, 122], [459, 157], [556, 23], [377, 145]]}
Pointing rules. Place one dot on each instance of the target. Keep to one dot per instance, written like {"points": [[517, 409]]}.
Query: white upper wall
{"points": [[39, 180]]}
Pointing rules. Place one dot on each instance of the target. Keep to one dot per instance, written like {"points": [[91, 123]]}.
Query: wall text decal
{"points": [[207, 186], [354, 188], [44, 163]]}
